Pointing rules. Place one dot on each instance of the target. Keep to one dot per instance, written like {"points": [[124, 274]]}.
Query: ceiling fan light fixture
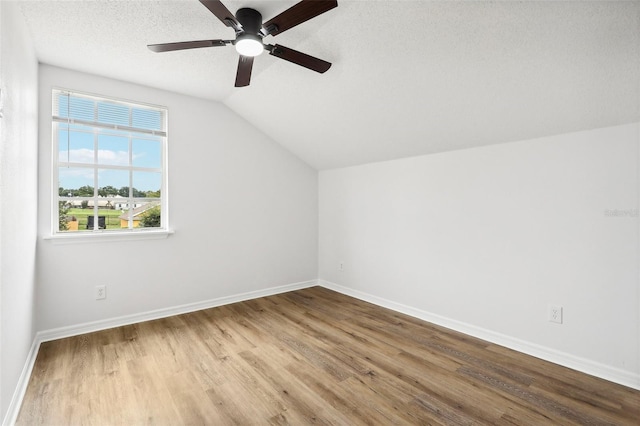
{"points": [[250, 30], [249, 45]]}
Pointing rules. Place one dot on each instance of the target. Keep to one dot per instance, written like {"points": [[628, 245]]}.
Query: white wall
{"points": [[18, 198], [484, 239], [244, 212]]}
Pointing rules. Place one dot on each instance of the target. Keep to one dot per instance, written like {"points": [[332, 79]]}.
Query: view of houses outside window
{"points": [[110, 164]]}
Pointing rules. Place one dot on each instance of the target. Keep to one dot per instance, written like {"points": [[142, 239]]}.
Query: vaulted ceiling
{"points": [[408, 77]]}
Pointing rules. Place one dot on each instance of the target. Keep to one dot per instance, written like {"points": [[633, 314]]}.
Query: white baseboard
{"points": [[606, 372], [21, 388], [626, 378], [89, 327]]}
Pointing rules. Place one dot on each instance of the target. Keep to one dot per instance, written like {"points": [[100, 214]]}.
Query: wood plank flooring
{"points": [[307, 357]]}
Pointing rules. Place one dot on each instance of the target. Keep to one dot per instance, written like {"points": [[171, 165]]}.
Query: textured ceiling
{"points": [[408, 77]]}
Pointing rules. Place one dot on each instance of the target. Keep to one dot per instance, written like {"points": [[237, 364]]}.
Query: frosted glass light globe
{"points": [[249, 46]]}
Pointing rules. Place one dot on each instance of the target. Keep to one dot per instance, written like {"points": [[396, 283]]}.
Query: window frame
{"points": [[98, 129]]}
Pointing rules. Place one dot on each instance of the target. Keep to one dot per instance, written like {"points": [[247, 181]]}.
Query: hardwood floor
{"points": [[309, 356]]}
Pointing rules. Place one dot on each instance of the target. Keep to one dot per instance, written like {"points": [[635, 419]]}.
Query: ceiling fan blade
{"points": [[243, 76], [182, 45], [298, 14], [222, 13], [299, 58]]}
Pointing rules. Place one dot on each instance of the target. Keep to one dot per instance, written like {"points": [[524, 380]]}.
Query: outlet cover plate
{"points": [[555, 314], [101, 292]]}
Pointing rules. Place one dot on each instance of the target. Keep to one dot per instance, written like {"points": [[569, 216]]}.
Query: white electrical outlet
{"points": [[101, 292], [555, 313], [341, 266]]}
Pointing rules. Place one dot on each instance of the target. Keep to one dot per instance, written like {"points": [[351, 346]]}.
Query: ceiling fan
{"points": [[250, 30]]}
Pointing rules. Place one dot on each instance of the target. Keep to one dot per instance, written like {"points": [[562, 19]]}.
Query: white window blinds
{"points": [[74, 108]]}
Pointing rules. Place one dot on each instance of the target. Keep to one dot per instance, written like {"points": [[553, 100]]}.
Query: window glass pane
{"points": [[75, 146], [147, 153], [80, 216], [113, 113], [108, 190], [147, 184], [147, 215], [113, 150], [113, 183], [75, 182], [67, 221]]}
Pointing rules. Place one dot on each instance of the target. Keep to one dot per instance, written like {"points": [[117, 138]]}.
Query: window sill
{"points": [[98, 236]]}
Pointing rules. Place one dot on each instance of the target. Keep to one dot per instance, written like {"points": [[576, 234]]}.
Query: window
{"points": [[109, 165]]}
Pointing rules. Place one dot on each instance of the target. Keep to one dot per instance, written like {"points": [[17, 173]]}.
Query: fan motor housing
{"points": [[250, 19]]}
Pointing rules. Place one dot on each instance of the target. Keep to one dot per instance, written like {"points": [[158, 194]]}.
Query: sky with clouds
{"points": [[111, 151]]}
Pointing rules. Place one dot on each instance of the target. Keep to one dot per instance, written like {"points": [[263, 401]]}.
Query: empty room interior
{"points": [[352, 212]]}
